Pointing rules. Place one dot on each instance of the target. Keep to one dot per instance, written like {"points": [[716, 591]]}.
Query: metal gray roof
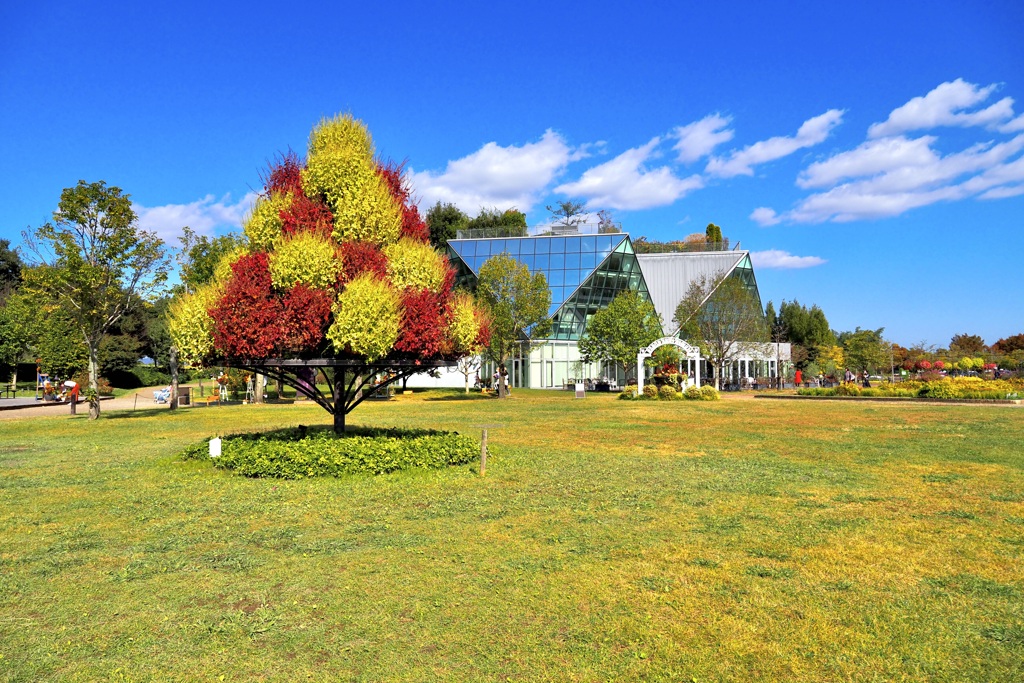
{"points": [[668, 276]]}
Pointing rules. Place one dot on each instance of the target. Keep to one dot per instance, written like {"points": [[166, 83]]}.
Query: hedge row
{"points": [[958, 388], [667, 393], [294, 454]]}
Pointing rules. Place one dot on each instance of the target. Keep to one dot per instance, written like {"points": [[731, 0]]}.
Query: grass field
{"points": [[740, 540]]}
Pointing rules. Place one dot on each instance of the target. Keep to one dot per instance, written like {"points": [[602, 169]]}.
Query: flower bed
{"points": [[946, 388], [298, 453]]}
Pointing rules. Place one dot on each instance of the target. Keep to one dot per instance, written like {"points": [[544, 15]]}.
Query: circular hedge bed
{"points": [[318, 452]]}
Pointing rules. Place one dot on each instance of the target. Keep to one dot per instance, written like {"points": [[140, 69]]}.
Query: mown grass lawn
{"points": [[741, 540]]}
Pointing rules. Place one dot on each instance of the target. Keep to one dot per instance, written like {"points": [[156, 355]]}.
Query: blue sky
{"points": [[868, 154]]}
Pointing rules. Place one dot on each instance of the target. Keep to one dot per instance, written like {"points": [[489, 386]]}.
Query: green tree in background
{"points": [[199, 256], [568, 213], [92, 260], [865, 350], [444, 221], [618, 332], [807, 328], [518, 304], [508, 223], [966, 345], [724, 319]]}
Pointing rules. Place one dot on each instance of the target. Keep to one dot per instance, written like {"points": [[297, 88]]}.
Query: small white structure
{"points": [[645, 353]]}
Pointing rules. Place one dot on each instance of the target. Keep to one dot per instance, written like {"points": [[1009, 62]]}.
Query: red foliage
{"points": [[285, 175], [423, 328], [247, 318], [361, 257], [307, 215], [304, 318], [924, 365], [394, 176], [908, 365], [413, 226]]}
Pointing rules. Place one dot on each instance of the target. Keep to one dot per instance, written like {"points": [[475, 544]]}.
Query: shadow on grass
{"points": [[327, 432], [463, 397]]}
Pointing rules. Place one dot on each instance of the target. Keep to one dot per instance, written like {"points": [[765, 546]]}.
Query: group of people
{"points": [[63, 391], [849, 377]]}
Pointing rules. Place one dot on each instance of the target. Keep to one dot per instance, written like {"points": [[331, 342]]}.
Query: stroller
{"points": [[162, 395]]}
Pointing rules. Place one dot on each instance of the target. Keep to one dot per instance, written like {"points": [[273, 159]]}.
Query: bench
{"points": [[212, 398]]}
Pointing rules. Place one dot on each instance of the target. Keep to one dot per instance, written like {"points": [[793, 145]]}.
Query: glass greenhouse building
{"points": [[585, 269]]}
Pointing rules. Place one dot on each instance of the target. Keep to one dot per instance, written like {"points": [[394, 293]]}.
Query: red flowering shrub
{"points": [[423, 327], [361, 257], [247, 318], [939, 365], [924, 365], [304, 318], [306, 215], [285, 175], [412, 223]]}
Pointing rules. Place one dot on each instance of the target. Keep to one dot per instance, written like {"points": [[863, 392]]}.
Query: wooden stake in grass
{"points": [[483, 453]]}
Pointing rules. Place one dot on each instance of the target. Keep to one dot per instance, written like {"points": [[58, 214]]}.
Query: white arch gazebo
{"points": [[691, 352]]}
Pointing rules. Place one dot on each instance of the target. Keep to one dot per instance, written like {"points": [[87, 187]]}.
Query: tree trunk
{"points": [[173, 362], [94, 380], [280, 388], [257, 394], [339, 401]]}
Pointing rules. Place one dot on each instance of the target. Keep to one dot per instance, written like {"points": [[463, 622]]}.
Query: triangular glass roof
{"points": [[566, 261]]}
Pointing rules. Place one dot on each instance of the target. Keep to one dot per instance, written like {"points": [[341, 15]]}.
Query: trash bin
{"points": [[184, 396]]}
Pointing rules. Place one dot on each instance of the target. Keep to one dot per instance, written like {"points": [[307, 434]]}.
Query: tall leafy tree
{"points": [[966, 345], [444, 221], [618, 332], [806, 327], [517, 302], [724, 319], [199, 256], [10, 269], [93, 259], [508, 223], [865, 350], [1009, 344]]}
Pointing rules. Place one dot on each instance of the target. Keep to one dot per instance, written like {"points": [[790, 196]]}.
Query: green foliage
{"points": [[444, 221], [263, 224], [692, 393], [618, 332], [200, 256], [367, 315], [667, 393], [415, 265], [340, 166], [94, 260], [722, 317], [496, 223], [58, 344], [713, 233], [650, 391], [806, 327], [865, 349], [517, 302], [709, 393], [119, 353], [567, 213], [966, 344], [17, 322], [10, 269], [290, 455], [628, 392], [305, 258]]}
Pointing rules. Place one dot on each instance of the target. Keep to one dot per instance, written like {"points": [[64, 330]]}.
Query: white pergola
{"points": [[646, 352]]}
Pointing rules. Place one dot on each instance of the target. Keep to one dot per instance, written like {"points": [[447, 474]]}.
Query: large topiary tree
{"points": [[336, 276]]}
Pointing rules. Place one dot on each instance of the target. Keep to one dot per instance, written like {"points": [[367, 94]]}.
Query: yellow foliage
{"points": [[415, 264], [263, 224], [463, 323], [340, 166], [222, 271], [306, 258], [367, 315], [190, 325]]}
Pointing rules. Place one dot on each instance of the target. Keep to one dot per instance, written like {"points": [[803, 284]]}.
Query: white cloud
{"points": [[945, 106], [765, 216], [1003, 192], [872, 157], [625, 183], [496, 176], [203, 216], [741, 162], [1013, 126], [775, 258], [698, 139]]}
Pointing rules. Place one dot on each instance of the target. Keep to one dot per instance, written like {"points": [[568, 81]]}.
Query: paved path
{"points": [[18, 408]]}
